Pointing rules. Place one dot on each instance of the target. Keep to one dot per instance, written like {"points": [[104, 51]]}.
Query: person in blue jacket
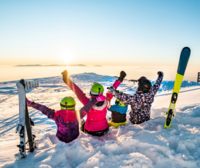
{"points": [[118, 114]]}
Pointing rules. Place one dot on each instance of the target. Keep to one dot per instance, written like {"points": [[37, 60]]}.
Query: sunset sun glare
{"points": [[66, 58]]}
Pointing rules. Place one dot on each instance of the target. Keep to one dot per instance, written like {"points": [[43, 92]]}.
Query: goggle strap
{"points": [[65, 106]]}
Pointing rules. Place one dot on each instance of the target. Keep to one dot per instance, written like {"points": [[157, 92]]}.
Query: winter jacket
{"points": [[114, 124], [118, 113], [96, 117], [66, 121], [140, 103]]}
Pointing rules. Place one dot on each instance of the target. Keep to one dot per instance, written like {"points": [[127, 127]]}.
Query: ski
{"points": [[183, 61], [24, 119]]}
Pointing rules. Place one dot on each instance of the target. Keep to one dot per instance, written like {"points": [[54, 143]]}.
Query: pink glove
{"points": [[28, 102], [100, 98]]}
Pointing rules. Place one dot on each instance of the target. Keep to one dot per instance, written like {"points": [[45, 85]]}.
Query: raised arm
{"points": [[45, 110], [157, 83], [79, 93], [116, 84]]}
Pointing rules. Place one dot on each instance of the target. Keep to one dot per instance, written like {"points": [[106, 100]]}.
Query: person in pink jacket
{"points": [[96, 123], [66, 118]]}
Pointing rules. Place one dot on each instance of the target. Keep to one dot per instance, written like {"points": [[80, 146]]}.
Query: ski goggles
{"points": [[120, 103]]}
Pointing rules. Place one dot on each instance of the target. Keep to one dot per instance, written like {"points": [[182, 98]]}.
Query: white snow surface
{"points": [[148, 145]]}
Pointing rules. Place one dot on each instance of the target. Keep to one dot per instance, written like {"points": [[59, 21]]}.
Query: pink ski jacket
{"points": [[96, 118]]}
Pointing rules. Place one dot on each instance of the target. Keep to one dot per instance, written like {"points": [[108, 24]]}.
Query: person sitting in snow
{"points": [[141, 101], [66, 118], [96, 123], [118, 114]]}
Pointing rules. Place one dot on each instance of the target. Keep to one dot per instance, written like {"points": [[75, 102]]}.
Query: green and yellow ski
{"points": [[184, 57]]}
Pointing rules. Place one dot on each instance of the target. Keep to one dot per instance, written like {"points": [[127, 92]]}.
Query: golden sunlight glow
{"points": [[66, 58]]}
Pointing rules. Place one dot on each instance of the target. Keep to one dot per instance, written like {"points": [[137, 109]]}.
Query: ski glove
{"points": [[65, 76], [122, 76], [28, 102], [113, 91], [100, 97], [160, 74]]}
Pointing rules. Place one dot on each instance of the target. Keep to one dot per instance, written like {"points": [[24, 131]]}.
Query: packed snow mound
{"points": [[147, 145]]}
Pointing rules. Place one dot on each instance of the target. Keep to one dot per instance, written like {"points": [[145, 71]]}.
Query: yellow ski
{"points": [[184, 57]]}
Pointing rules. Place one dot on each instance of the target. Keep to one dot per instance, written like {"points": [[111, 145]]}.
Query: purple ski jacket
{"points": [[140, 103], [66, 121]]}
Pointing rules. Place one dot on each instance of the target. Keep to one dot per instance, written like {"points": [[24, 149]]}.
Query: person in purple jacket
{"points": [[66, 118]]}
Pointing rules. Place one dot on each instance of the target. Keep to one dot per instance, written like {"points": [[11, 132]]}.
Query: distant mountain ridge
{"points": [[49, 65]]}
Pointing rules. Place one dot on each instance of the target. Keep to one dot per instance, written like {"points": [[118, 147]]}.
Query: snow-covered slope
{"points": [[139, 146]]}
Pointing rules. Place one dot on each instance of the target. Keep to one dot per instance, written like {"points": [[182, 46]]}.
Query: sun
{"points": [[66, 58]]}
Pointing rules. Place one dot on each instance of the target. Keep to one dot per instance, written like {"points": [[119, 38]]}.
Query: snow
{"points": [[148, 145]]}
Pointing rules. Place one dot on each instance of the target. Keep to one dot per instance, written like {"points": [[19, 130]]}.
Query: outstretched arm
{"points": [[116, 84], [45, 110], [79, 93], [123, 97], [157, 83], [126, 98], [87, 108]]}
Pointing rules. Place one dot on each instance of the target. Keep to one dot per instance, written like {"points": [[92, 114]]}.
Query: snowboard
{"points": [[183, 61], [24, 119]]}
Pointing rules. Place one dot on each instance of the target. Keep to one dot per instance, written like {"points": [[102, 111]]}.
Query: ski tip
{"points": [[22, 81], [186, 48]]}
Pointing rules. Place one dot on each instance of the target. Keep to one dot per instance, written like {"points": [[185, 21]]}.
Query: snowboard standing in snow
{"points": [[184, 57], [24, 119]]}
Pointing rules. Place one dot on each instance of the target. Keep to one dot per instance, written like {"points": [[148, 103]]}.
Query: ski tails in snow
{"points": [[21, 126], [24, 119], [184, 57]]}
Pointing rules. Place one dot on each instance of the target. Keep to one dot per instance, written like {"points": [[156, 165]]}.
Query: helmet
{"points": [[144, 84], [68, 103], [96, 89], [120, 103]]}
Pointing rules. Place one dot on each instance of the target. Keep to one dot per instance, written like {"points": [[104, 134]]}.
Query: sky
{"points": [[127, 33]]}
